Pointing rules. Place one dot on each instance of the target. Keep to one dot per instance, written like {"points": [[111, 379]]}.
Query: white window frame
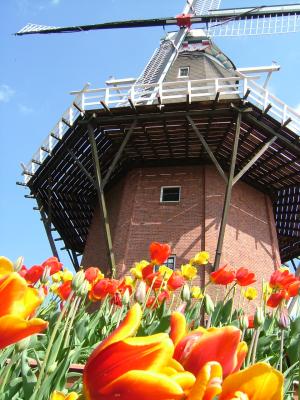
{"points": [[172, 256], [169, 201], [185, 76]]}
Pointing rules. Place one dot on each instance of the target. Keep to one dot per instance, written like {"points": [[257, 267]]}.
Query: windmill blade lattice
{"points": [[256, 25]]}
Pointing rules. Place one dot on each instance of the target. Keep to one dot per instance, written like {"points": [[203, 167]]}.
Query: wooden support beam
{"points": [[45, 149], [228, 192], [78, 108], [259, 124], [253, 160], [81, 166], [36, 162], [246, 94], [207, 148], [267, 109], [118, 154], [55, 136], [66, 122], [101, 199], [286, 122], [105, 106], [132, 104]]}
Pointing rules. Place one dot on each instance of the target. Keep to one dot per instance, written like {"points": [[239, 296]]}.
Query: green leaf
{"points": [[28, 376]]}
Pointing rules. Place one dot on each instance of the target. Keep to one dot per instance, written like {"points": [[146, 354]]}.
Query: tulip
{"points": [[200, 258], [208, 382], [244, 277], [146, 369], [165, 271], [18, 303], [188, 271], [159, 252], [61, 396], [175, 281], [208, 304], [250, 293], [92, 274], [196, 292], [259, 317], [6, 266], [53, 264], [259, 382], [103, 288], [222, 276], [276, 298], [200, 346], [281, 279], [140, 293], [136, 271], [64, 290], [34, 274]]}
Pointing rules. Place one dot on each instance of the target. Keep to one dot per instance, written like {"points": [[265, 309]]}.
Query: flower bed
{"points": [[150, 335]]}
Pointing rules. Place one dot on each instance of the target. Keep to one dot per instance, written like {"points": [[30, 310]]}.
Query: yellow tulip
{"points": [[67, 275], [61, 396], [136, 271], [6, 266], [196, 292], [188, 271], [200, 258], [165, 271], [259, 382], [250, 293]]}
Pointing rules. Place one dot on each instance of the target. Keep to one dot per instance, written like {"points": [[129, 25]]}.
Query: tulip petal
{"points": [[208, 382], [184, 379], [14, 328], [6, 266], [178, 327], [137, 385], [242, 351], [218, 344], [139, 353], [259, 382], [16, 297]]}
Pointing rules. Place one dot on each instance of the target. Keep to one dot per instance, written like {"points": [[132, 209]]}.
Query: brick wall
{"points": [[137, 218]]}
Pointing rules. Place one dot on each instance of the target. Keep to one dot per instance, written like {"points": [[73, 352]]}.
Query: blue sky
{"points": [[38, 72]]}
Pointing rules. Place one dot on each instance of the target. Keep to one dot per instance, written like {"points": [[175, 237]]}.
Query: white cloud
{"points": [[25, 110], [55, 2], [6, 93]]}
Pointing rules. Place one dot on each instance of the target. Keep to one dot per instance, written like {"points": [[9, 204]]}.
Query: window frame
{"points": [[185, 76], [174, 257], [170, 201]]}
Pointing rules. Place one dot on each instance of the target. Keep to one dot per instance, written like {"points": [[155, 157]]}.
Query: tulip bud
{"points": [[18, 264], [140, 293], [244, 322], [126, 297], [259, 317], [284, 319], [78, 280], [186, 293], [52, 368], [208, 304], [22, 344], [83, 290]]}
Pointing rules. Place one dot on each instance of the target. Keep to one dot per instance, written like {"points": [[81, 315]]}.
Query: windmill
{"points": [[192, 114]]}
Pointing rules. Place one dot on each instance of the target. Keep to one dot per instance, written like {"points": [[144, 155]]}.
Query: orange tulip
{"points": [[244, 277], [222, 276], [259, 382], [159, 252], [200, 346], [134, 368], [208, 382], [18, 303]]}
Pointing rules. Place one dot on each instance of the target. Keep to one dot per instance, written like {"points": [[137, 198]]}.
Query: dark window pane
{"points": [[170, 194]]}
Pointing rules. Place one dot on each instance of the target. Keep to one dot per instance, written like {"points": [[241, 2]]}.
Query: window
{"points": [[184, 72], [170, 194], [171, 262]]}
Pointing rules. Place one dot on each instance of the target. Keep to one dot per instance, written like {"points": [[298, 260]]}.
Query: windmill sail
{"points": [[256, 25]]}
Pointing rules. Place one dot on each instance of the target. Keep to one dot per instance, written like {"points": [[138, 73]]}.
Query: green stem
{"points": [[255, 346], [50, 344], [70, 323], [281, 349], [250, 348], [6, 372]]}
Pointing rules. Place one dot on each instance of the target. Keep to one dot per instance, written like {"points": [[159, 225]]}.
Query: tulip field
{"points": [[154, 334]]}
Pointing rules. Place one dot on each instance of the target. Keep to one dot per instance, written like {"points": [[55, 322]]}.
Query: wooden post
{"points": [[228, 192], [101, 199]]}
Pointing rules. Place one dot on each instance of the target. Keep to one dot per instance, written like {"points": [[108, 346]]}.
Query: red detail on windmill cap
{"points": [[184, 20]]}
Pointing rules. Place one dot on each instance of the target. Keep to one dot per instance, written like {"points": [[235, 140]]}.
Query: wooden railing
{"points": [[163, 93]]}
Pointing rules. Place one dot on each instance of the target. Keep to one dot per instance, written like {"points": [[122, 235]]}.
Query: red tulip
{"points": [[64, 290], [53, 264], [175, 281], [163, 295], [281, 279], [34, 274], [222, 276], [159, 252], [244, 277], [276, 298], [103, 288], [293, 288], [91, 274]]}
